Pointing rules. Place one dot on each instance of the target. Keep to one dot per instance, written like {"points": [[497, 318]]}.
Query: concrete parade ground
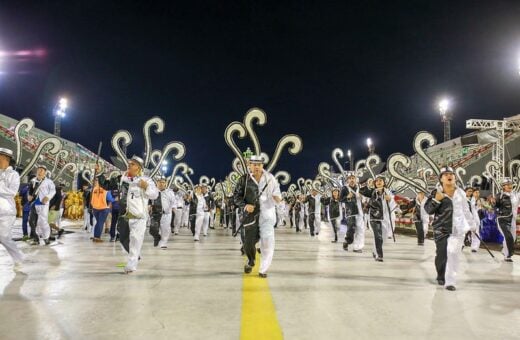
{"points": [[76, 289]]}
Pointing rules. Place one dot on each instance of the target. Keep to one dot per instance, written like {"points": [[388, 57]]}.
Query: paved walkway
{"points": [[75, 290]]}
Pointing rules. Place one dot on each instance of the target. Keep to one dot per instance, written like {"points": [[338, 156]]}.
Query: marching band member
{"points": [[452, 219], [161, 214], [352, 199], [506, 204], [256, 193], [9, 185]]}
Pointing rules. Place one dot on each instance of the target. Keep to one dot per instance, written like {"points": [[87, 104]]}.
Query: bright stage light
{"points": [[444, 105]]}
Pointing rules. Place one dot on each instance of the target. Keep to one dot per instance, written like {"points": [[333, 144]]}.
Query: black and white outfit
{"points": [[507, 206], [161, 217], [420, 218], [335, 213], [258, 225], [354, 217], [452, 219], [379, 212], [299, 215], [314, 203]]}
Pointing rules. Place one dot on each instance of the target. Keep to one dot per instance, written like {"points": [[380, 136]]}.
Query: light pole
{"points": [[370, 146], [349, 154], [446, 117], [59, 113]]}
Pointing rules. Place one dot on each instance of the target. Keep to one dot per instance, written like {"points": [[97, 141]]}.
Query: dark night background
{"points": [[334, 73]]}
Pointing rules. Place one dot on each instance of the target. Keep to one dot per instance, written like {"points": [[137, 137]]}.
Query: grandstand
{"points": [[78, 154]]}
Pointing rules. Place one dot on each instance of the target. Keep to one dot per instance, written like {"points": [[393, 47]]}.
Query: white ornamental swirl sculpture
{"points": [[292, 142], [52, 145], [122, 138]]}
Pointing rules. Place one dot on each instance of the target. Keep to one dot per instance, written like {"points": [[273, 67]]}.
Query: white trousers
{"points": [[86, 219], [317, 223], [59, 218], [359, 234], [205, 223], [43, 229], [452, 265], [6, 224], [387, 228], [137, 229], [301, 223], [475, 241], [166, 229], [185, 217], [199, 220], [211, 218], [177, 220]]}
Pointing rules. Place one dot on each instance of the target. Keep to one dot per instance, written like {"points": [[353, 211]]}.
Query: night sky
{"points": [[331, 72]]}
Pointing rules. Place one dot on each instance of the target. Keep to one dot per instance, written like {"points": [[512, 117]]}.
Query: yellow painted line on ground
{"points": [[259, 320]]}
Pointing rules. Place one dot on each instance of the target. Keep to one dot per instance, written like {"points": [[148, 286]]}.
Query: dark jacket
{"points": [[156, 206], [416, 205], [247, 192], [193, 204], [443, 215], [312, 204], [375, 203], [55, 202], [334, 207], [503, 205], [351, 207]]}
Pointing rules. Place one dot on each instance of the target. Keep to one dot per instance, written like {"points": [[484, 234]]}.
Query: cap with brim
{"points": [[160, 178], [351, 174], [506, 180], [6, 152], [41, 166], [137, 160], [446, 170], [256, 159]]}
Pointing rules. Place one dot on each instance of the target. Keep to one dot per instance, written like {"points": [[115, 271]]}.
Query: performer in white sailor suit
{"points": [[45, 192], [9, 185], [136, 190], [162, 208], [179, 209], [198, 208]]}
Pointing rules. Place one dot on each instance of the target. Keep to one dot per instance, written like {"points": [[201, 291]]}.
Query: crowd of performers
{"points": [[256, 207]]}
